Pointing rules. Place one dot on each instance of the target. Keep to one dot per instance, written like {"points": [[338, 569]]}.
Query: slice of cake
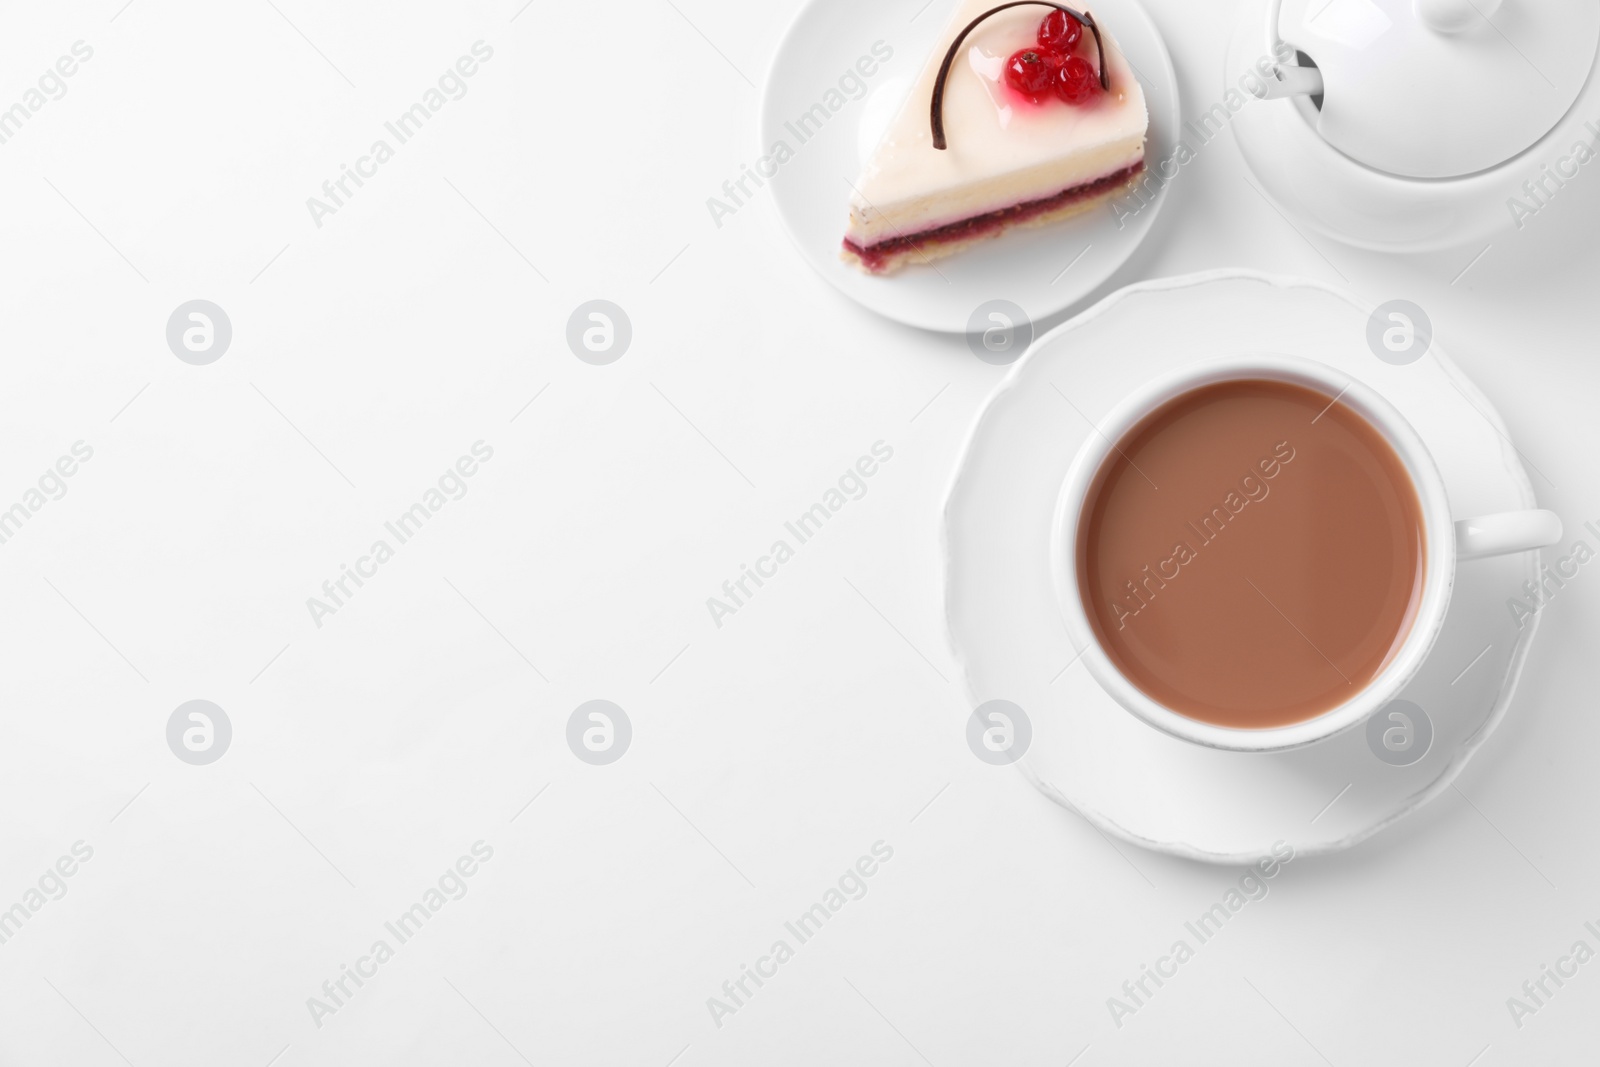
{"points": [[1025, 113]]}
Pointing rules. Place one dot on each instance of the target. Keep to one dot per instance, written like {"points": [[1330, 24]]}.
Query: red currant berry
{"points": [[1075, 81], [1029, 72], [1060, 32]]}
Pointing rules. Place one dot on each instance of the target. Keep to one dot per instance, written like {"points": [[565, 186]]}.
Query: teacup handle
{"points": [[1506, 532]]}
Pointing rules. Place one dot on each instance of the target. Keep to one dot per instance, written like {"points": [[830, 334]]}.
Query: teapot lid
{"points": [[1442, 88]]}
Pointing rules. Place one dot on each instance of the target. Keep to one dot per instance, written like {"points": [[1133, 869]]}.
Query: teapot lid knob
{"points": [[1453, 16]]}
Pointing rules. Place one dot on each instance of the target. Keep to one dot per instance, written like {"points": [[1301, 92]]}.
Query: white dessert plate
{"points": [[1090, 754], [1043, 270]]}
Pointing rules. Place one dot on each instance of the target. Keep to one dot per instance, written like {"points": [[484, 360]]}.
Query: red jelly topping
{"points": [[1075, 81], [1060, 33], [1030, 73]]}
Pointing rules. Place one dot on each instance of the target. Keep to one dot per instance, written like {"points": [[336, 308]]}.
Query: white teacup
{"points": [[1446, 540]]}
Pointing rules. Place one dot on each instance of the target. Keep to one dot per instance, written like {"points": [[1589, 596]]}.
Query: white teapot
{"points": [[1415, 125]]}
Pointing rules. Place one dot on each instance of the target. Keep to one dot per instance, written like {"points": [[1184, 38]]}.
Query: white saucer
{"points": [[1039, 269], [1090, 754]]}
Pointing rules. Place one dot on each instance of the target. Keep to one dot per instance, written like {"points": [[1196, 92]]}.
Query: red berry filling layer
{"points": [[875, 256]]}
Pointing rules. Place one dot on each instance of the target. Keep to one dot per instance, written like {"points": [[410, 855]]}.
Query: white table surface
{"points": [[768, 754]]}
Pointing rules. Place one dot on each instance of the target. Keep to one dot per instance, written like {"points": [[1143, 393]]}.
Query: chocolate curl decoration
{"points": [[950, 57]]}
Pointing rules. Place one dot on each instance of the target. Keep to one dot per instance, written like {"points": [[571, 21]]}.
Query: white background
{"points": [[769, 754]]}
